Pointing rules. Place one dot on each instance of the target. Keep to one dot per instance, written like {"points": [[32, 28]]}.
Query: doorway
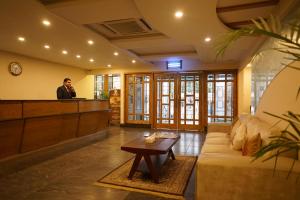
{"points": [[177, 101]]}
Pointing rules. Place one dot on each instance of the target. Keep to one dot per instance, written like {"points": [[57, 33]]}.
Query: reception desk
{"points": [[27, 125]]}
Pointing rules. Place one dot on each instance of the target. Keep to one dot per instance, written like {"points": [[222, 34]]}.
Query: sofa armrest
{"points": [[219, 127], [221, 176]]}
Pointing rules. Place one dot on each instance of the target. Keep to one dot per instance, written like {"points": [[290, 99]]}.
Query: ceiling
{"points": [[143, 30]]}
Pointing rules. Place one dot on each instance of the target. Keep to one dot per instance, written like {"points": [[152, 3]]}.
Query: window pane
{"points": [[197, 110], [210, 77], [210, 98], [138, 97], [189, 112], [220, 98], [182, 106], [197, 89], [146, 98], [182, 89], [165, 111], [229, 99], [165, 88], [190, 100], [172, 90], [172, 109], [189, 87], [220, 76]]}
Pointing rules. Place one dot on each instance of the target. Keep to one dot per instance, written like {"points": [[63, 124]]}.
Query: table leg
{"points": [[151, 168], [135, 165], [171, 154]]}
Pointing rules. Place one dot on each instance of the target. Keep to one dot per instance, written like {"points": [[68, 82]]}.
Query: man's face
{"points": [[68, 83]]}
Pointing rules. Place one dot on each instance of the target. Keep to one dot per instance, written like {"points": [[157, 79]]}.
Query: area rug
{"points": [[173, 180]]}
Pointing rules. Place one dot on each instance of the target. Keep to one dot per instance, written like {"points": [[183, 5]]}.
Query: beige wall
{"points": [[280, 95], [244, 90], [40, 79]]}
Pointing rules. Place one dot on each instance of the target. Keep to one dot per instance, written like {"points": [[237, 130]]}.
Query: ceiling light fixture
{"points": [[64, 52], [22, 39], [46, 22], [92, 60], [109, 65], [116, 53], [90, 42], [133, 61], [78, 56], [46, 46], [207, 39], [249, 65], [178, 14]]}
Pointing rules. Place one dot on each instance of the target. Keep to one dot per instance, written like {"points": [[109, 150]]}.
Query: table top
{"points": [[160, 146]]}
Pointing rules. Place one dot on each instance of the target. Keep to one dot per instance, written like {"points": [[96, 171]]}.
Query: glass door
{"points": [[165, 101], [190, 101], [138, 95]]}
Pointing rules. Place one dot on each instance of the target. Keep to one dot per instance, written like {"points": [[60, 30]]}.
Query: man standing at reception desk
{"points": [[66, 91]]}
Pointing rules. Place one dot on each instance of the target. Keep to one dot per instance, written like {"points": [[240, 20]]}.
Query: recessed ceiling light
{"points": [[46, 46], [78, 56], [90, 42], [249, 65], [46, 22], [207, 39], [109, 65], [178, 14], [91, 60], [133, 61], [64, 52], [116, 53], [22, 39]]}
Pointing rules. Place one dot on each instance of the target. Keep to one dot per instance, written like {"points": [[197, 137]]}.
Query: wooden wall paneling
{"points": [[10, 137], [69, 126], [41, 132], [88, 123], [87, 106], [46, 108], [10, 110]]}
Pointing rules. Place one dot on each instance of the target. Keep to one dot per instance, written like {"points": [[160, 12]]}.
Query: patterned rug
{"points": [[173, 179]]}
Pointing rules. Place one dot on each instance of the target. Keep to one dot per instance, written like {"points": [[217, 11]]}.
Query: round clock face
{"points": [[15, 68]]}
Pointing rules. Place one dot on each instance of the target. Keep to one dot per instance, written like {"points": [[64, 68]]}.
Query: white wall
{"points": [[244, 90], [40, 79]]}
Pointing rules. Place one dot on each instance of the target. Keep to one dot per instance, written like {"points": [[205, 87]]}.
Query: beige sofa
{"points": [[225, 174]]}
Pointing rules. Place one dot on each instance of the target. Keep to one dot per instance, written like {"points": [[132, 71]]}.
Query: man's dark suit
{"points": [[62, 93]]}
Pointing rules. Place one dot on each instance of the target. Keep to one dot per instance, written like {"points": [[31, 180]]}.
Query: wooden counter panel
{"points": [[69, 126], [44, 108], [10, 137], [103, 120], [10, 111], [41, 132], [87, 106], [89, 123]]}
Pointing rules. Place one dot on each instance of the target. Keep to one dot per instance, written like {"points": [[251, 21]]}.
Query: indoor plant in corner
{"points": [[288, 44]]}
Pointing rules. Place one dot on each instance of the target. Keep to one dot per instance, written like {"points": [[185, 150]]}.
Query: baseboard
{"points": [[136, 125]]}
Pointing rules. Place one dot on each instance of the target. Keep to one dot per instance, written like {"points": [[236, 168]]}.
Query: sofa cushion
{"points": [[251, 145], [239, 138], [234, 128]]}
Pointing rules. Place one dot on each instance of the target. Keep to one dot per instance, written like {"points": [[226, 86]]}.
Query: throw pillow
{"points": [[239, 138], [234, 128], [251, 145]]}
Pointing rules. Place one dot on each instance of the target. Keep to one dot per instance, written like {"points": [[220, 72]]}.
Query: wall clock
{"points": [[15, 68]]}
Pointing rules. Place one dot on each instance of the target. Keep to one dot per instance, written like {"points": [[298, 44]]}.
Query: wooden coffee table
{"points": [[155, 154]]}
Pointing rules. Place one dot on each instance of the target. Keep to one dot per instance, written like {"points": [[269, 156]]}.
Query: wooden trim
{"points": [[247, 6]]}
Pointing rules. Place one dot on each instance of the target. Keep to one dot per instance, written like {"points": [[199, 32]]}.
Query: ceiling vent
{"points": [[126, 28]]}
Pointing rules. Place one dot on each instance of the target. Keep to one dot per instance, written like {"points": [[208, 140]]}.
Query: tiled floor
{"points": [[71, 175]]}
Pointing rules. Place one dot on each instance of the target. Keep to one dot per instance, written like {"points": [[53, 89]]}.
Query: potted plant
{"points": [[288, 44]]}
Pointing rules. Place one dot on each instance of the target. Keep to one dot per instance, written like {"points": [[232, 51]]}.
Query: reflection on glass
{"points": [[197, 89], [210, 98], [165, 88], [196, 109], [165, 111], [182, 106], [182, 89], [189, 87], [165, 99], [190, 100], [189, 112], [220, 98], [220, 76], [172, 109], [172, 90]]}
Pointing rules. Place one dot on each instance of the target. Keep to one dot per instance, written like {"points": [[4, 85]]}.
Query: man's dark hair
{"points": [[67, 79]]}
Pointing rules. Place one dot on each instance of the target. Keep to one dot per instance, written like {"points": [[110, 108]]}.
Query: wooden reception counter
{"points": [[27, 125]]}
